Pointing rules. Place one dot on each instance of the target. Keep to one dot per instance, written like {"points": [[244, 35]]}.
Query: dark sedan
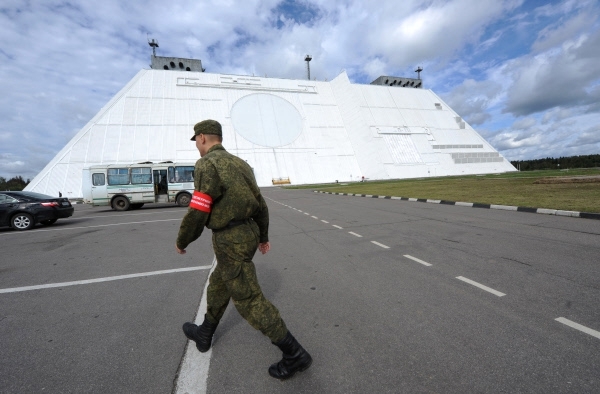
{"points": [[22, 210]]}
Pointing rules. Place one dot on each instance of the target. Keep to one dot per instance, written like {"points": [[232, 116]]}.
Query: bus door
{"points": [[99, 193], [161, 186]]}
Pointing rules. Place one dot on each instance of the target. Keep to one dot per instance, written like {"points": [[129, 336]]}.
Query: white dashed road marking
{"points": [[107, 279], [417, 260], [324, 221], [356, 235], [336, 226], [488, 289], [381, 245], [314, 217], [578, 326]]}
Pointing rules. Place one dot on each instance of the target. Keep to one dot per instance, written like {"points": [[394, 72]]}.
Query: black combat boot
{"points": [[295, 358], [202, 335]]}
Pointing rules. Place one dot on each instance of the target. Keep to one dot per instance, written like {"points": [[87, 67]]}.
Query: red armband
{"points": [[201, 202]]}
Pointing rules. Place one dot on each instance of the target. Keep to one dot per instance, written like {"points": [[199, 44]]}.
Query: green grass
{"points": [[516, 189]]}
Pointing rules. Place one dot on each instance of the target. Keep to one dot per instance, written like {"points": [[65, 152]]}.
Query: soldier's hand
{"points": [[180, 251], [264, 247]]}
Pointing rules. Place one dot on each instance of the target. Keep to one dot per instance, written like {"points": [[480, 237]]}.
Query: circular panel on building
{"points": [[266, 120]]}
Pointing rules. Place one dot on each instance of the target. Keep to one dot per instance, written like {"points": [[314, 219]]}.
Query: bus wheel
{"points": [[183, 200], [120, 203], [137, 205]]}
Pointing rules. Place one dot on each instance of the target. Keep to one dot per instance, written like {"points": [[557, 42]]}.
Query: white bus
{"points": [[130, 186]]}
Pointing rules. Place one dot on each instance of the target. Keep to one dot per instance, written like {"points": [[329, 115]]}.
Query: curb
{"points": [[544, 211]]}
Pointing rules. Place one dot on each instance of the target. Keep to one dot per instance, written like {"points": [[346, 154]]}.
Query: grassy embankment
{"points": [[538, 189]]}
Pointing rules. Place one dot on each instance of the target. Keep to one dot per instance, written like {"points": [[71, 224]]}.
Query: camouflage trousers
{"points": [[235, 278]]}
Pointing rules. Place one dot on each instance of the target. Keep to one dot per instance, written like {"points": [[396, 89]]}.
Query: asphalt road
{"points": [[373, 319]]}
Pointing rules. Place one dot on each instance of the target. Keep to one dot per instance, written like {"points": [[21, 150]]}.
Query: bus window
{"points": [[98, 179], [141, 175], [118, 176], [184, 174]]}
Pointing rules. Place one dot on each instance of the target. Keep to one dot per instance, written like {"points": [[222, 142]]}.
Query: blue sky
{"points": [[524, 74]]}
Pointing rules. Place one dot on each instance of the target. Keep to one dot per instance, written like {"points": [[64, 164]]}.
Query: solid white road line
{"points": [[193, 373], [124, 214], [107, 279], [356, 235], [314, 217], [578, 326], [488, 289], [324, 221], [81, 228], [382, 245], [336, 226], [417, 260]]}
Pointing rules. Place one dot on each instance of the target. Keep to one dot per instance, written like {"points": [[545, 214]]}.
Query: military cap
{"points": [[207, 126]]}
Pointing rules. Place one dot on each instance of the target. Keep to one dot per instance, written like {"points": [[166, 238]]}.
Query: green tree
{"points": [[16, 183]]}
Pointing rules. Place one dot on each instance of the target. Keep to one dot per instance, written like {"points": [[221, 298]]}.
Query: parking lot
{"points": [[114, 335], [387, 296]]}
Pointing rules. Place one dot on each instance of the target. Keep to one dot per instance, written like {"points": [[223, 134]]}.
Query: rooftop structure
{"points": [[176, 63], [400, 82]]}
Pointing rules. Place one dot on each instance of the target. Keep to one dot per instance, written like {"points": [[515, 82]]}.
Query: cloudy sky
{"points": [[524, 74]]}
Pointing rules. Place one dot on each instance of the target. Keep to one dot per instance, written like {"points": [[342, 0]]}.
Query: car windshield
{"points": [[33, 195]]}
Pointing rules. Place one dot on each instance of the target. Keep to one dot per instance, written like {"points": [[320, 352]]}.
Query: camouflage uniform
{"points": [[230, 183]]}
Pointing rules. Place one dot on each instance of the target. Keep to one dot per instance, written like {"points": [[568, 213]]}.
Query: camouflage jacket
{"points": [[230, 182]]}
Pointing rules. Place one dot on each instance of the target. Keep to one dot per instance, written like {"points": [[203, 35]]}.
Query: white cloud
{"points": [[472, 99]]}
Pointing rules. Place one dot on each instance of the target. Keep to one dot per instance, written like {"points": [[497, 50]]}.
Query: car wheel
{"points": [[22, 221], [137, 205], [183, 200], [48, 222], [121, 203]]}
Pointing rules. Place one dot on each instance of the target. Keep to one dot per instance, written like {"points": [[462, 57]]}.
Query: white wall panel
{"points": [[72, 182], [79, 150], [144, 88], [130, 111], [56, 181], [429, 118], [156, 112], [126, 144], [158, 85], [403, 98], [386, 117], [111, 145], [377, 96], [155, 143], [411, 117], [143, 111], [95, 147], [116, 112]]}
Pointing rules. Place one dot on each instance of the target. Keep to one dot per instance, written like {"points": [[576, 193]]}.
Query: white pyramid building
{"points": [[300, 131]]}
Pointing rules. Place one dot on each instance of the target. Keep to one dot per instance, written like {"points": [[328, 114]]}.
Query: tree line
{"points": [[550, 163], [13, 184]]}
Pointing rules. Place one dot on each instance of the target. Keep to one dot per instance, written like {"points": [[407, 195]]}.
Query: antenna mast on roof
{"points": [[307, 59], [153, 44], [418, 71]]}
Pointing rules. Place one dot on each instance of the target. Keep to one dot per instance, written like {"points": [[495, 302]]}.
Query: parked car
{"points": [[22, 210]]}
